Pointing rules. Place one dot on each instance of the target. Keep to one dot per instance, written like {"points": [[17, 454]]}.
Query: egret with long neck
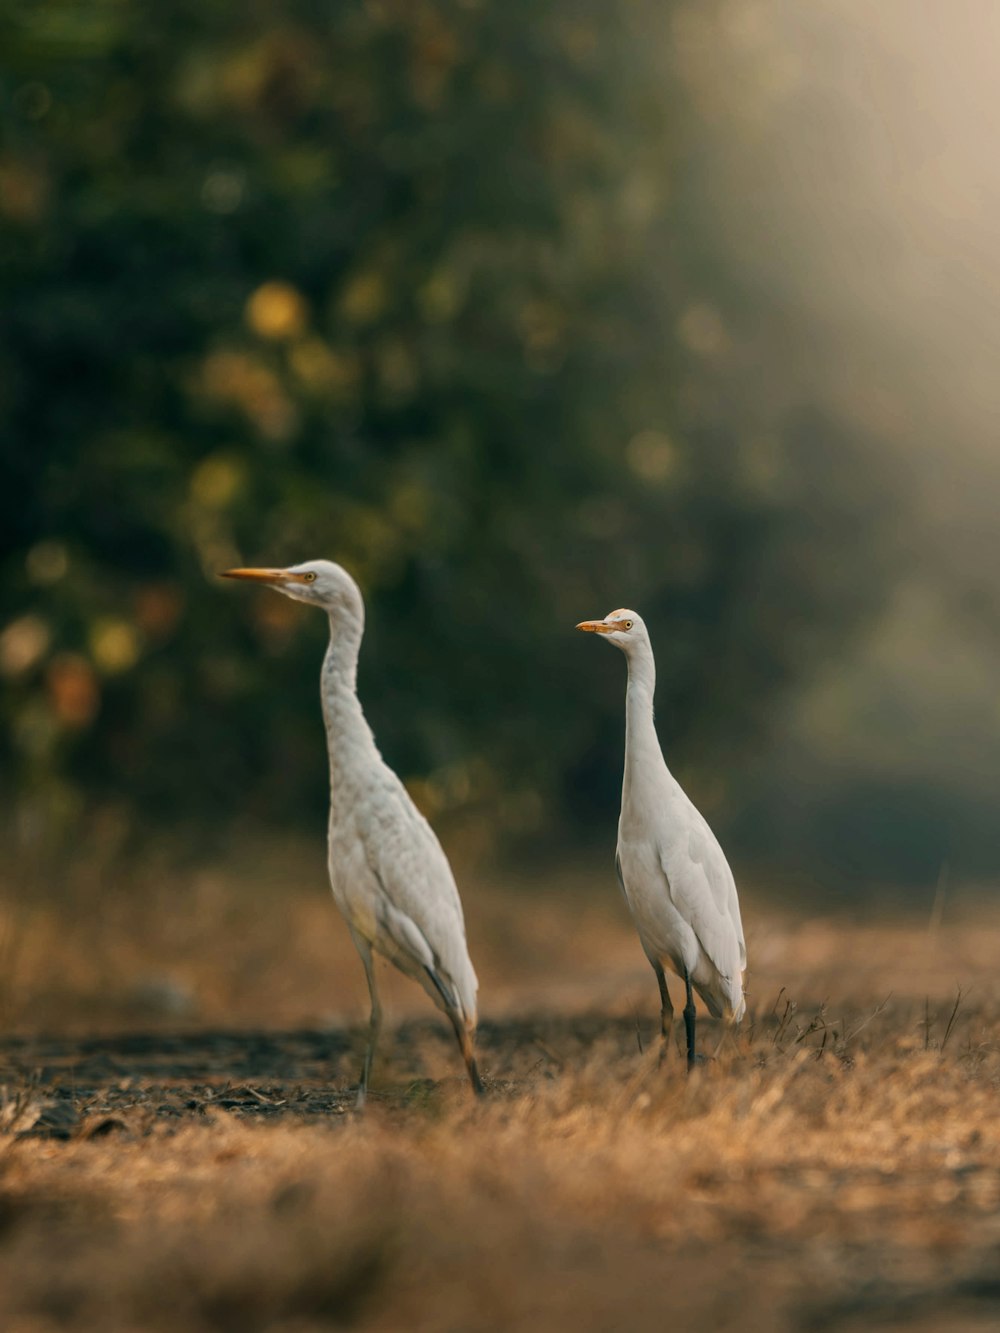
{"points": [[389, 876], [672, 871]]}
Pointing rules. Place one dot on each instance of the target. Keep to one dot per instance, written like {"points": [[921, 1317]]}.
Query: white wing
{"points": [[418, 911], [703, 890]]}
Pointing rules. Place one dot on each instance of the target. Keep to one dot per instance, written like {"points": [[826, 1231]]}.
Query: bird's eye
{"points": [[310, 576], [626, 624]]}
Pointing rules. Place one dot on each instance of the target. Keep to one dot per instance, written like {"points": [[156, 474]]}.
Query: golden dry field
{"points": [[178, 1149]]}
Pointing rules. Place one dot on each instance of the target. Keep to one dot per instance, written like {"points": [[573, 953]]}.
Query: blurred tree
{"points": [[422, 287]]}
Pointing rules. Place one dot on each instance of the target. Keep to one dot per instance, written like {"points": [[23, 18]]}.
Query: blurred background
{"points": [[522, 311]]}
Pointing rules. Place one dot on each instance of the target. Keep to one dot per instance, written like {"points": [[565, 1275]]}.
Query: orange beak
{"points": [[596, 627], [258, 575]]}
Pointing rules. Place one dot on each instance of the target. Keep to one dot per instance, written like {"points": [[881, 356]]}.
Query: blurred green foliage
{"points": [[423, 288]]}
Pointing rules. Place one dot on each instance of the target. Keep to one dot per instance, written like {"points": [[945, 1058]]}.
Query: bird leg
{"points": [[666, 1012], [374, 1022], [689, 1021]]}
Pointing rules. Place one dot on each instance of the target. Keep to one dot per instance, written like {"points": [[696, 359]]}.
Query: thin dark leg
{"points": [[689, 1022], [666, 1012], [374, 1022]]}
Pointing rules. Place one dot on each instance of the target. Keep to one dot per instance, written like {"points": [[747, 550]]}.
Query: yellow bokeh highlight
{"points": [[322, 370], [47, 562], [234, 377], [441, 296], [23, 643], [277, 310], [651, 456], [114, 645], [216, 481], [364, 298]]}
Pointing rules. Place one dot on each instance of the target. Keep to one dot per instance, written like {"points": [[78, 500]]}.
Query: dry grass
{"points": [[837, 1167]]}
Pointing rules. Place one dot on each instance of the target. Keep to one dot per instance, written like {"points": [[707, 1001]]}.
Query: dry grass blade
{"points": [[951, 1018], [876, 1011]]}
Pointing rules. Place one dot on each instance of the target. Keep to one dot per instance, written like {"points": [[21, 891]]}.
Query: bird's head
{"points": [[624, 628], [318, 582]]}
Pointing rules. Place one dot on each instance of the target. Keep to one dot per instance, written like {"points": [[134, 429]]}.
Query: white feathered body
{"points": [[389, 875], [675, 876], [682, 897]]}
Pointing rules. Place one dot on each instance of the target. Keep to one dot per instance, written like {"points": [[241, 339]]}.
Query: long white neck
{"points": [[348, 736], [643, 756]]}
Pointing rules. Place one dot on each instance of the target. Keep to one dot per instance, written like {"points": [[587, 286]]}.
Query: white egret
{"points": [[672, 871], [389, 876]]}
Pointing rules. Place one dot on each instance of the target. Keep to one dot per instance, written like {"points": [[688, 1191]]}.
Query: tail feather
{"points": [[452, 999], [724, 1000]]}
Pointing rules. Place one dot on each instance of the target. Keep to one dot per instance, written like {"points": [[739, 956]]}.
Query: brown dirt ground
{"points": [[179, 1149]]}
